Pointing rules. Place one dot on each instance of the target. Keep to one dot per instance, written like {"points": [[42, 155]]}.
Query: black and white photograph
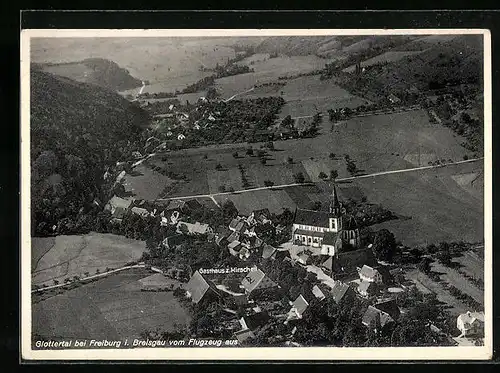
{"points": [[201, 193]]}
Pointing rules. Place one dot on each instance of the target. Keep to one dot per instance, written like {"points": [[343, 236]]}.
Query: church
{"points": [[328, 230]]}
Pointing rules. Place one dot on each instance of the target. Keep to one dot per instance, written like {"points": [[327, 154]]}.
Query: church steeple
{"points": [[335, 206]]}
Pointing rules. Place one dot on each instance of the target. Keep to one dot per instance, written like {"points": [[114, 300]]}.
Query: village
{"points": [[271, 273]]}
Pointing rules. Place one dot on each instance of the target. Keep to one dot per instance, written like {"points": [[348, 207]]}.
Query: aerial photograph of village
{"points": [[257, 191]]}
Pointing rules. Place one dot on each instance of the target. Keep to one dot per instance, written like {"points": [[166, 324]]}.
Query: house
{"points": [[264, 230], [199, 288], [341, 291], [244, 253], [193, 229], [262, 216], [118, 206], [238, 225], [211, 118], [268, 251], [234, 247], [257, 280], [303, 258], [221, 235], [376, 319], [299, 306], [390, 307], [243, 335], [393, 99], [171, 107], [310, 227], [345, 264], [367, 288], [170, 218], [140, 211], [254, 321], [318, 293], [370, 274], [181, 136], [471, 324], [173, 241]]}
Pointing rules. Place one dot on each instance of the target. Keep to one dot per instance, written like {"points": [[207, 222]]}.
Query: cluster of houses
{"points": [[248, 235], [180, 119]]}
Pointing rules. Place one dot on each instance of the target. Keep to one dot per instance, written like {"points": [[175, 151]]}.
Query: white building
{"points": [[471, 323]]}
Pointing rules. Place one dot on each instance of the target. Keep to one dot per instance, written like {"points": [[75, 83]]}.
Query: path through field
{"points": [[340, 179]]}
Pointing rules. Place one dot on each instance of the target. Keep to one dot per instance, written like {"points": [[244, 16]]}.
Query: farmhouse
{"points": [[376, 319], [318, 293], [329, 230], [140, 211], [340, 291], [194, 229], [471, 323], [257, 280], [299, 306], [199, 288], [118, 206], [369, 274]]}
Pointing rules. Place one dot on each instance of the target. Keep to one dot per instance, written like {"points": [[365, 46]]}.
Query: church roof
{"points": [[334, 202], [331, 238], [311, 217]]}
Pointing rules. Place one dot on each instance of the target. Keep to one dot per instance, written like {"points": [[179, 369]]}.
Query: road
{"points": [[238, 94], [103, 274], [211, 196]]}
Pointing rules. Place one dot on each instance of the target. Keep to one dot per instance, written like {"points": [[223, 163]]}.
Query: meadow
{"points": [[75, 255], [111, 308], [391, 56]]}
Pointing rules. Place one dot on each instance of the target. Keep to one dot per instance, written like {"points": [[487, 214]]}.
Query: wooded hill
{"points": [[77, 130]]}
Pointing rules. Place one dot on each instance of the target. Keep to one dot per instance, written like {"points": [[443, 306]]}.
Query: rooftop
{"points": [[313, 218]]}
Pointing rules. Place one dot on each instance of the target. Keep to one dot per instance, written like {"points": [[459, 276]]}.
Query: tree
{"points": [[56, 282], [289, 160], [351, 167], [263, 161], [425, 265], [322, 175], [222, 188], [384, 245], [287, 122], [235, 154], [268, 183], [270, 145], [299, 177], [218, 167], [332, 155], [249, 151], [334, 174]]}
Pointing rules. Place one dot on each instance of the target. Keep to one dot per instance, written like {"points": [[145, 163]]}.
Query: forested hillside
{"points": [[98, 71], [77, 130]]}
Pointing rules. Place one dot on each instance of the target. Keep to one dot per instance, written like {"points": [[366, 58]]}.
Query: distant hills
{"points": [[77, 130], [434, 62], [98, 71]]}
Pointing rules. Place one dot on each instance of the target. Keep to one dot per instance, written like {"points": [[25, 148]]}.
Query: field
{"points": [[452, 277], [439, 208], [426, 284], [274, 200], [71, 256], [472, 264], [146, 183], [111, 308]]}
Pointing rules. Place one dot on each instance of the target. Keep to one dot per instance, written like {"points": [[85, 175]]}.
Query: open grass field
{"points": [[274, 200], [472, 264], [422, 281], [439, 208], [39, 247], [71, 256], [146, 183], [110, 308], [452, 277]]}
